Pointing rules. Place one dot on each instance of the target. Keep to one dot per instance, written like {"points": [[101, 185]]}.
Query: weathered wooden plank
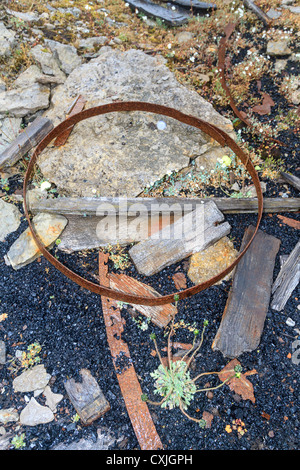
{"points": [[190, 234], [248, 300], [86, 233], [160, 315], [87, 397], [287, 279], [194, 5], [259, 13], [178, 205], [153, 10], [25, 141], [291, 179]]}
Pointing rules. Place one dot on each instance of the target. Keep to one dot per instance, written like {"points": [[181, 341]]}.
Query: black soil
{"points": [[44, 306]]}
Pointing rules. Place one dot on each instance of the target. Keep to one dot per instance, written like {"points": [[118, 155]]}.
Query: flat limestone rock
{"points": [[87, 397], [24, 250], [119, 154], [25, 100], [7, 40], [10, 219], [9, 130], [32, 379], [210, 262], [34, 414]]}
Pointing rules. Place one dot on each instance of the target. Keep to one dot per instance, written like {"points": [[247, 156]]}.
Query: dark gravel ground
{"points": [[67, 321], [44, 306]]}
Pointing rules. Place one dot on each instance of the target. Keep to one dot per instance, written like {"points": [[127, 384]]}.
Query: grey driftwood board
{"points": [[191, 233], [25, 141], [287, 279], [85, 206], [248, 300]]}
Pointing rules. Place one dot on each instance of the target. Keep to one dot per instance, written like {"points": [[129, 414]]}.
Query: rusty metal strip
{"points": [[77, 106], [213, 131], [228, 30], [137, 409]]}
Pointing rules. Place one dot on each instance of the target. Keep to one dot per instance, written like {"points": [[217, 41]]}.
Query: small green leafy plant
{"points": [[18, 441], [173, 381]]}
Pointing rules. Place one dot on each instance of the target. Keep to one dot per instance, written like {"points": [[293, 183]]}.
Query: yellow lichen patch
{"points": [[210, 262]]}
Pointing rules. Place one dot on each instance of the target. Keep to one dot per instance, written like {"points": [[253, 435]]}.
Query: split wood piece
{"points": [[137, 409], [194, 5], [153, 10], [77, 106], [192, 233], [91, 206], [87, 397], [248, 301], [160, 315], [291, 179], [287, 279], [259, 13], [26, 140]]}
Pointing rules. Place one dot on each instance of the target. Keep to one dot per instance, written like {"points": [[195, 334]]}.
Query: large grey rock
{"points": [[28, 77], [9, 219], [9, 130], [65, 54], [34, 414], [7, 40], [24, 250], [120, 153], [22, 101], [47, 62], [27, 17], [32, 379]]}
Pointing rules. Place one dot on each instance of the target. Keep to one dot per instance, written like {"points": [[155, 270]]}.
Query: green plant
{"points": [[4, 184], [18, 441], [173, 381], [118, 257], [30, 358]]}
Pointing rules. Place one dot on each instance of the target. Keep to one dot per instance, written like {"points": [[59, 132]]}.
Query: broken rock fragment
{"points": [[32, 379], [34, 414], [10, 219], [208, 263], [24, 250]]}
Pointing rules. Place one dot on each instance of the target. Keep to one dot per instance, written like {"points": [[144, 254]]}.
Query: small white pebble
{"points": [[290, 322], [161, 125]]}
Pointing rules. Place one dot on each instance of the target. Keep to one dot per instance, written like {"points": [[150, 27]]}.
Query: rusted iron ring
{"points": [[217, 134]]}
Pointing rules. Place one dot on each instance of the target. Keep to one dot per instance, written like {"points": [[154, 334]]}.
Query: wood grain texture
{"points": [[91, 206], [287, 279], [160, 315], [248, 300], [26, 140], [192, 233]]}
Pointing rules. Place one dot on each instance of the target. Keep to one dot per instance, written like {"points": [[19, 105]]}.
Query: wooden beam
{"points": [[189, 234], [248, 301], [291, 179], [287, 279], [25, 141], [92, 206]]}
